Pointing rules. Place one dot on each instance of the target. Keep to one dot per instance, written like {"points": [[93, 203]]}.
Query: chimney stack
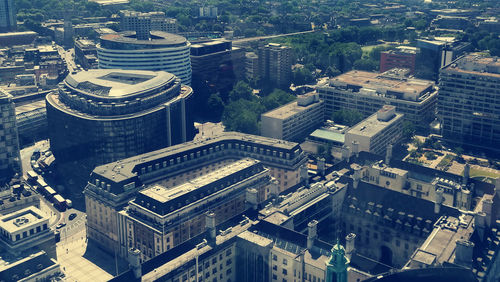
{"points": [[349, 245], [304, 175], [321, 166], [312, 233], [388, 154], [463, 255], [210, 226], [134, 259], [439, 200], [466, 176]]}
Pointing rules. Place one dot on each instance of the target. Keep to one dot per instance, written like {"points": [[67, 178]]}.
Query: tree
{"points": [[215, 106], [408, 130], [242, 116], [241, 91], [276, 98], [302, 76], [347, 117], [366, 64]]}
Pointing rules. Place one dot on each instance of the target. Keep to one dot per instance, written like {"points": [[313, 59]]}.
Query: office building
{"points": [[26, 230], [10, 158], [131, 20], [468, 103], [31, 122], [8, 17], [275, 64], [160, 218], [367, 92], [295, 120], [217, 64], [208, 12], [374, 133], [100, 116], [113, 185], [402, 58], [146, 50], [86, 53]]}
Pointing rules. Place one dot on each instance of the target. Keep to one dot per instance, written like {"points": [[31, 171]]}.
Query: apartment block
{"points": [[8, 18], [469, 102], [404, 58], [367, 92], [295, 120], [275, 64], [374, 133], [131, 20]]}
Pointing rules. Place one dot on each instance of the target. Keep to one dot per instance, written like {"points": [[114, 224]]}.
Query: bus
{"points": [[49, 192], [59, 202], [32, 177]]}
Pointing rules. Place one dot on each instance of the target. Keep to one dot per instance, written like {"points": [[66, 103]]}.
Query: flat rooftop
{"points": [[114, 83], [379, 82], [289, 110], [156, 38], [21, 219], [164, 194], [371, 126], [478, 64]]}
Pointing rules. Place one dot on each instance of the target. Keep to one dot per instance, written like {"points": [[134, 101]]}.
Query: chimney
{"points": [[134, 259], [321, 166], [488, 210], [346, 153], [349, 245], [355, 148], [439, 200], [304, 175], [312, 233], [210, 226], [463, 253], [466, 176], [274, 189], [356, 176], [388, 154], [480, 224]]}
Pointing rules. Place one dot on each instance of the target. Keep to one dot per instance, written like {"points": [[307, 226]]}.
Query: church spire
{"points": [[336, 265]]}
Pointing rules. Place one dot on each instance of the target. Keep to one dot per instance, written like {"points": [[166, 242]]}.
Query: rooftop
{"points": [[372, 83], [289, 110], [20, 219], [116, 83], [157, 38], [477, 63], [372, 125]]}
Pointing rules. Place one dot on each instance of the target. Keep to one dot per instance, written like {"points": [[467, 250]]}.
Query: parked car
{"points": [[72, 216]]}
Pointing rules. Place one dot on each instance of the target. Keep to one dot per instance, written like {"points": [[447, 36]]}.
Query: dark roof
{"points": [[438, 274], [26, 268]]}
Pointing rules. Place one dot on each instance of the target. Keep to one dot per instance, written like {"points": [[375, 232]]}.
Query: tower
{"points": [[7, 15], [336, 265]]}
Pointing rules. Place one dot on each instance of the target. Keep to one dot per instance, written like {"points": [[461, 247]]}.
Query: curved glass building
{"points": [[100, 116], [155, 51]]}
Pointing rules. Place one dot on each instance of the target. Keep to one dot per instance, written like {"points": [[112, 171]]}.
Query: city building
{"points": [[468, 105], [275, 64], [251, 65], [295, 120], [100, 116], [217, 64], [17, 196], [8, 16], [402, 58], [160, 218], [208, 12], [86, 53], [36, 267], [10, 158], [130, 20], [112, 186], [26, 230], [374, 133], [31, 119], [146, 50], [436, 53], [367, 92]]}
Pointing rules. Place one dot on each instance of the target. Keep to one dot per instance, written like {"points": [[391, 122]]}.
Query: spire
{"points": [[336, 265]]}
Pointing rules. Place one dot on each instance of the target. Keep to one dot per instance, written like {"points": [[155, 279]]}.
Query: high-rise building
{"points": [[146, 50], [216, 63], [275, 64], [367, 92], [251, 65], [10, 158], [100, 116], [8, 20], [468, 101]]}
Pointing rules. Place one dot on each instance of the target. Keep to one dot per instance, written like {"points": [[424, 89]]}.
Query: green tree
{"points": [[408, 130], [365, 64], [347, 117], [277, 98], [242, 116], [215, 106], [241, 91]]}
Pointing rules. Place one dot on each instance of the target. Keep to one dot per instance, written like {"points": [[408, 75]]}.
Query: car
{"points": [[60, 225], [72, 216]]}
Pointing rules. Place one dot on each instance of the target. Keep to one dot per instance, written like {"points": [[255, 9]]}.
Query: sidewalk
{"points": [[84, 263]]}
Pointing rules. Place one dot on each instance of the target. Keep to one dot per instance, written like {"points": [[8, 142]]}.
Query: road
{"points": [[28, 151], [250, 39], [208, 130], [67, 55]]}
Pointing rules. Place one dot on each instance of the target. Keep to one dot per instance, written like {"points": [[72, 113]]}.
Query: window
{"points": [[228, 252], [285, 272], [214, 260], [229, 261], [275, 258], [228, 271], [275, 267], [285, 262], [275, 277]]}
